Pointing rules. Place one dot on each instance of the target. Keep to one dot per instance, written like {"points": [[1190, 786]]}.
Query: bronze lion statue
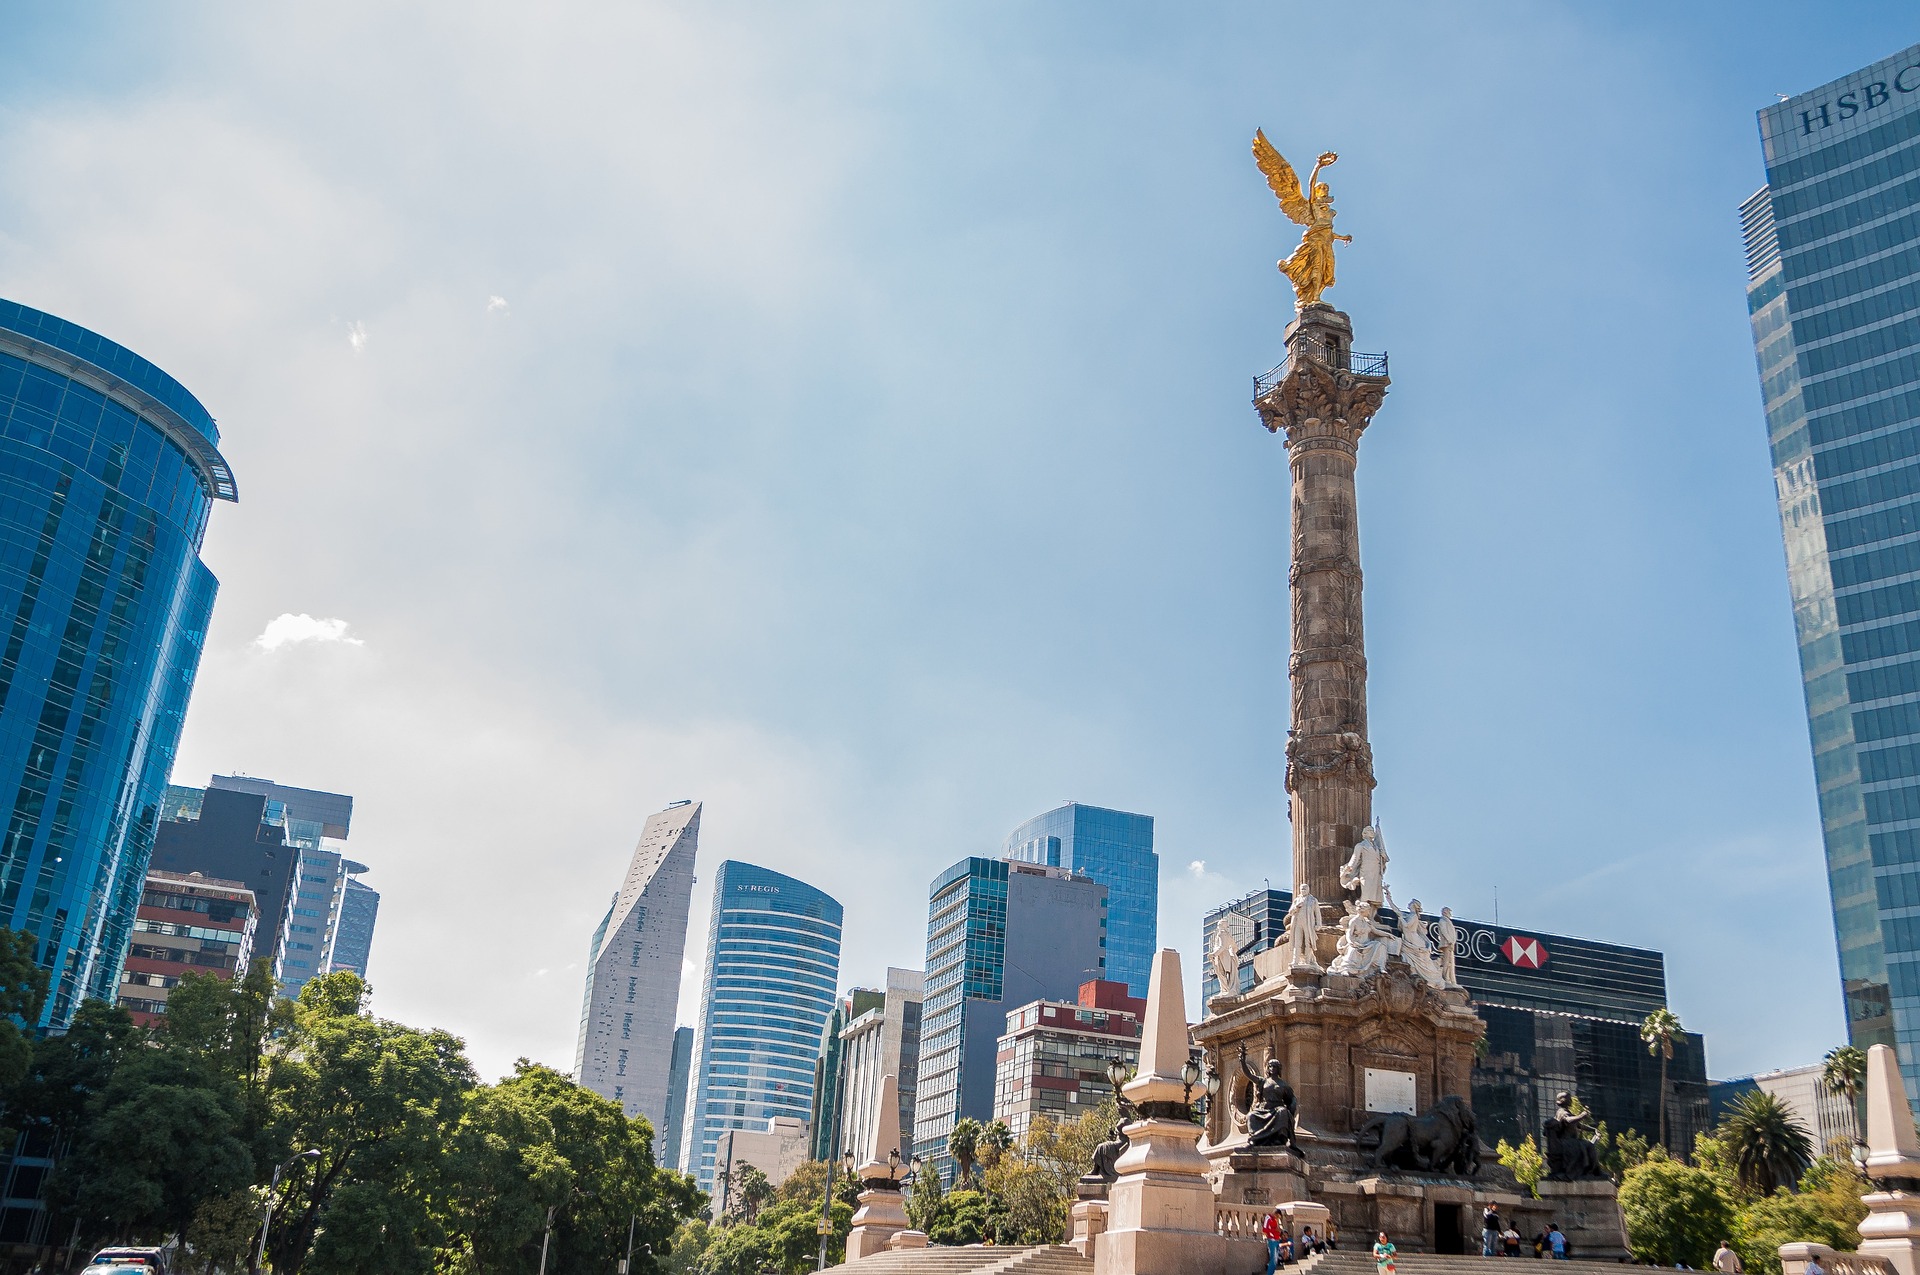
{"points": [[1444, 1140]]}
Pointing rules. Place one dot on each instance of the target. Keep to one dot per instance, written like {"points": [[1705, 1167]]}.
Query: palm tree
{"points": [[995, 1141], [962, 1144], [1770, 1148], [1659, 1029], [1844, 1074]]}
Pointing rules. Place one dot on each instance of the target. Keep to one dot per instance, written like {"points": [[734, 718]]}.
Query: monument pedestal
{"points": [[1089, 1217], [1589, 1216], [882, 1215]]}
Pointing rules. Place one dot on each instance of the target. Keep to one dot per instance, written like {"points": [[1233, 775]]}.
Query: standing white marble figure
{"points": [[1447, 935], [1415, 947], [1225, 959], [1304, 920], [1366, 867]]}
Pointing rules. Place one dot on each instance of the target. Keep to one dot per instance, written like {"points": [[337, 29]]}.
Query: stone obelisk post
{"points": [[1322, 398]]}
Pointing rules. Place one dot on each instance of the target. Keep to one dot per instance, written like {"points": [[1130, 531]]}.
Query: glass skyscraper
{"points": [[773, 968], [1115, 848], [999, 934], [108, 470], [1833, 258]]}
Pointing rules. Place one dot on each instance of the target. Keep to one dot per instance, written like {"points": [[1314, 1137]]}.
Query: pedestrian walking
{"points": [[1383, 1252], [1726, 1261]]}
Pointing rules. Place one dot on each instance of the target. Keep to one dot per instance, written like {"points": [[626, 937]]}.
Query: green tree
{"points": [[995, 1141], [690, 1240], [1674, 1212], [378, 1100], [1065, 1151], [225, 1227], [748, 1191], [1763, 1226], [1033, 1207], [792, 1230], [67, 1070], [161, 1138], [923, 1201], [1770, 1148], [806, 1185], [537, 1141], [23, 992], [1843, 1073], [1658, 1031], [1621, 1151], [963, 1144], [1525, 1161], [964, 1217], [737, 1250]]}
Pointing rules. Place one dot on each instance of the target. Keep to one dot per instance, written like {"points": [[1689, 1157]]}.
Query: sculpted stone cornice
{"points": [[1320, 758], [1321, 406], [1338, 564]]}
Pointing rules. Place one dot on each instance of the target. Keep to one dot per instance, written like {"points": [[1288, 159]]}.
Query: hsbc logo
{"points": [[1523, 953]]}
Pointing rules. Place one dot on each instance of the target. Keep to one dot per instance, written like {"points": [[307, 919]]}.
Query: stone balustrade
{"points": [[1794, 1259], [1242, 1221]]}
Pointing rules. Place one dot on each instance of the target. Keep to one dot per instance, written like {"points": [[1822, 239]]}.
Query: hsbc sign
{"points": [[1527, 954], [1483, 945]]}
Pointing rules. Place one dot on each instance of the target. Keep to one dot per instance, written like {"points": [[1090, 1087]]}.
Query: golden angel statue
{"points": [[1311, 265]]}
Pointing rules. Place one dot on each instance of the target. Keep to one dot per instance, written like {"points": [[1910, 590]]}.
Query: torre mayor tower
{"points": [[1833, 258]]}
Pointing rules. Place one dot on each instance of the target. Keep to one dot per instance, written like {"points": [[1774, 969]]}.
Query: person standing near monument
{"points": [[1271, 1230], [1383, 1252], [1556, 1242], [1489, 1232], [1726, 1261]]}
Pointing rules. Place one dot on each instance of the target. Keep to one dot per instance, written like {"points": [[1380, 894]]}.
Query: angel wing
{"points": [[1281, 178]]}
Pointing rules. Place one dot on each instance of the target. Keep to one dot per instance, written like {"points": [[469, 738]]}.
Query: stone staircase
{"points": [[975, 1259], [1347, 1261]]}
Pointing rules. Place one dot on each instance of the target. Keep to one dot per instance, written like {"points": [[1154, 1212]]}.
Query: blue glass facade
{"points": [[773, 969], [1115, 848], [108, 469], [1833, 256], [999, 934]]}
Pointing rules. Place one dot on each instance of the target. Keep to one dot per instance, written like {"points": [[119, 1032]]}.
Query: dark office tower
{"points": [[1833, 259], [999, 934], [773, 963], [353, 937], [108, 469], [1115, 848], [667, 1143], [229, 836], [316, 824]]}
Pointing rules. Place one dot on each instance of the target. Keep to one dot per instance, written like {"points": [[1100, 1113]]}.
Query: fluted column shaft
{"points": [[1322, 408]]}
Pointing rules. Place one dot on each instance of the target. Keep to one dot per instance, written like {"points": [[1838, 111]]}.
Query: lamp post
{"points": [[546, 1233], [260, 1249], [626, 1263], [1189, 1077]]}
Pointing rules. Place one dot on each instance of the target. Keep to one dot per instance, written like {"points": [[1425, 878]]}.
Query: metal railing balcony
{"points": [[1338, 359]]}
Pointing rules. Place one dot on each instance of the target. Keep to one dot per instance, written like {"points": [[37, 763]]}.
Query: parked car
{"points": [[121, 1260]]}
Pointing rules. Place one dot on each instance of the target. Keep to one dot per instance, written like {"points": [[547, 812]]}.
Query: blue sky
{"points": [[838, 413]]}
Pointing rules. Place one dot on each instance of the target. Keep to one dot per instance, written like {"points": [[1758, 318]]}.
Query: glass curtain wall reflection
{"points": [[1833, 257], [108, 471]]}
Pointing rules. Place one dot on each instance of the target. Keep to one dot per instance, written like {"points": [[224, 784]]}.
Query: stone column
{"points": [[1322, 405], [881, 1222], [1891, 1228], [1160, 1211]]}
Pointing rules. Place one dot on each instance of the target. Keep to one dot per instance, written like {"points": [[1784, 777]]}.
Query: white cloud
{"points": [[1198, 867], [357, 336], [288, 628], [496, 305]]}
